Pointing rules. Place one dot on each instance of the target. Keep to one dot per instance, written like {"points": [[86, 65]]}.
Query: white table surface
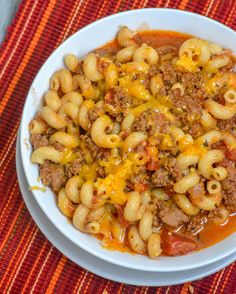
{"points": [[8, 10]]}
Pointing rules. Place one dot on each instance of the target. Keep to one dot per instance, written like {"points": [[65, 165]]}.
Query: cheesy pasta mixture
{"points": [[137, 140]]}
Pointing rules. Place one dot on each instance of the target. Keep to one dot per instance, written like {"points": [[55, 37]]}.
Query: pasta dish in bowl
{"points": [[136, 139]]}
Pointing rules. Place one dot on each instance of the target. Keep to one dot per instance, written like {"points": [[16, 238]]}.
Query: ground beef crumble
{"points": [[229, 186], [193, 85], [100, 171], [52, 175], [172, 166], [153, 71], [166, 49], [196, 223], [75, 167], [218, 214], [193, 128], [167, 174], [186, 103], [38, 140], [141, 178], [94, 113], [227, 125], [151, 121], [170, 214], [116, 101], [95, 151], [169, 75], [160, 178], [58, 146], [188, 111]]}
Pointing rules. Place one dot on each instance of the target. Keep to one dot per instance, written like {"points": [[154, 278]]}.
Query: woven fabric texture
{"points": [[29, 263]]}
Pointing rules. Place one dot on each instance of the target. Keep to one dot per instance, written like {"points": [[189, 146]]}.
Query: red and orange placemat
{"points": [[28, 262]]}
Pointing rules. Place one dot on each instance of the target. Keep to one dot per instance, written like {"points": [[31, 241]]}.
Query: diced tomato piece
{"points": [[152, 156], [140, 186], [144, 144], [174, 244], [120, 212], [130, 185], [109, 97], [169, 190], [221, 100], [231, 154], [152, 165], [221, 146], [123, 134]]}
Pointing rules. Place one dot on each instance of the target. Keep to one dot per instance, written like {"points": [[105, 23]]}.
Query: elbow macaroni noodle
{"points": [[86, 194], [133, 209], [61, 79], [90, 68], [65, 204], [154, 245], [185, 204], [99, 136], [83, 114], [52, 100], [53, 119], [207, 120], [186, 183], [133, 140], [72, 62], [145, 53], [124, 37], [46, 153], [220, 111], [135, 241], [67, 140], [205, 164], [145, 225], [73, 187], [37, 127], [206, 201], [125, 54]]}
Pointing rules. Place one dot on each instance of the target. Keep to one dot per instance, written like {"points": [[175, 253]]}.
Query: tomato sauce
{"points": [[115, 245], [160, 38], [210, 235], [213, 233], [154, 38]]}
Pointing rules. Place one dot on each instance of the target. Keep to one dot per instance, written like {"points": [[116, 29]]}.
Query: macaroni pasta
{"points": [[137, 140]]}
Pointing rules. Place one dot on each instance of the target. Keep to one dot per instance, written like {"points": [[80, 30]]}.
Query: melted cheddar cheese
{"points": [[67, 156], [88, 172], [187, 63], [37, 188], [112, 187], [161, 104], [192, 147]]}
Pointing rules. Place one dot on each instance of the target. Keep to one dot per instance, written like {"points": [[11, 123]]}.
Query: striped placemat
{"points": [[28, 262]]}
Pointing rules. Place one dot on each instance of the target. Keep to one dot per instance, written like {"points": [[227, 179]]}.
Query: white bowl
{"points": [[88, 38]]}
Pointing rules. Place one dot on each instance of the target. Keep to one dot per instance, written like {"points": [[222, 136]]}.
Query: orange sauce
{"points": [[115, 245], [157, 38], [212, 233], [112, 244], [154, 38]]}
